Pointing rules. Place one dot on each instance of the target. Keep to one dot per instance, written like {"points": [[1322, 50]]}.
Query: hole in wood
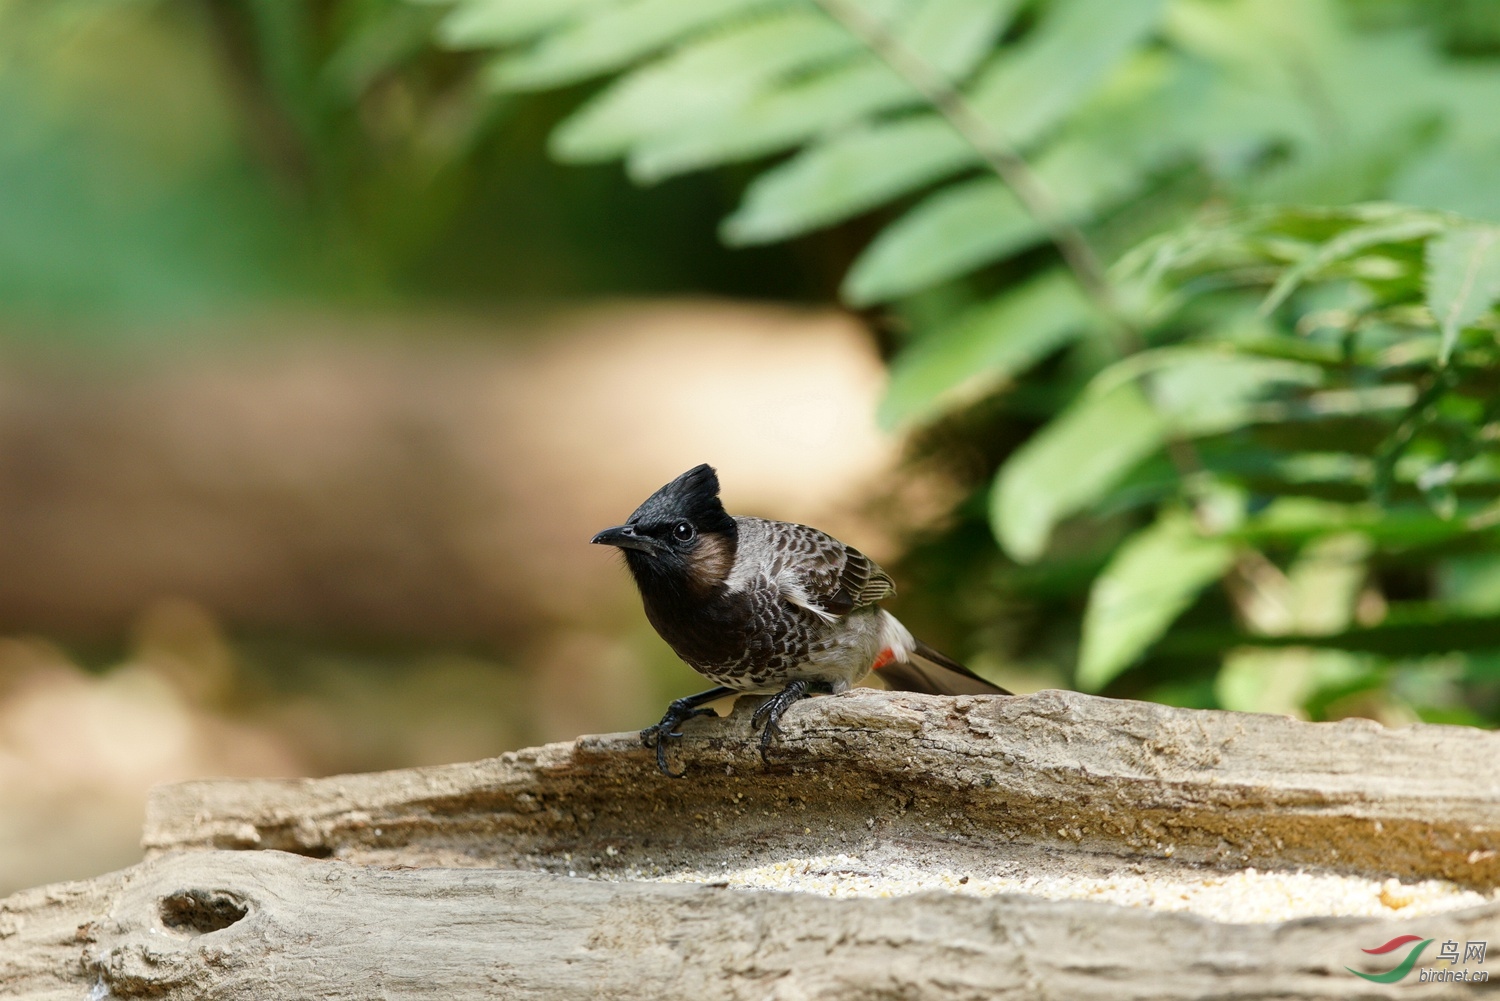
{"points": [[312, 851], [201, 911]]}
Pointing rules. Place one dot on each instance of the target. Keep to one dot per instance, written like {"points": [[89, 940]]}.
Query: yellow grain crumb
{"points": [[1395, 896]]}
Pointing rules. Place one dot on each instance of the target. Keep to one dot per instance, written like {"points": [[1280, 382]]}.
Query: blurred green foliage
{"points": [[164, 159], [1250, 466]]}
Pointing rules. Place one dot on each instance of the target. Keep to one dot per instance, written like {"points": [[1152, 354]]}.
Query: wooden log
{"points": [[983, 776], [448, 881], [252, 926]]}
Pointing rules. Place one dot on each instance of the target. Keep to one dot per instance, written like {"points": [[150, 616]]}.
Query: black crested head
{"points": [[680, 541], [692, 497]]}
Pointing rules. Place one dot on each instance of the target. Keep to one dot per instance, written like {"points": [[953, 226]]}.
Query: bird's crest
{"points": [[693, 496]]}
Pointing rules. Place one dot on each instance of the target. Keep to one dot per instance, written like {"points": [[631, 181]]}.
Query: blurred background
{"points": [[330, 332]]}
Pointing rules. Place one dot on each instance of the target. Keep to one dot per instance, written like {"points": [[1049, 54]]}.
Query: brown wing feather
{"points": [[861, 582], [817, 571]]}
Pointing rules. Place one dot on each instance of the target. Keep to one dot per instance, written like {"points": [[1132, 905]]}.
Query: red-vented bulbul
{"points": [[767, 607]]}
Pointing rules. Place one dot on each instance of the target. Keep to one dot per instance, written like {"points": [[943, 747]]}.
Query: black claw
{"points": [[678, 713], [657, 737], [661, 762], [771, 730], [767, 717]]}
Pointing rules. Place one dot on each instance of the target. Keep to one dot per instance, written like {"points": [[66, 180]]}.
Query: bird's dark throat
{"points": [[703, 622]]}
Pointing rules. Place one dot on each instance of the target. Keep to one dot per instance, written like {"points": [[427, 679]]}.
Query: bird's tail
{"points": [[932, 673]]}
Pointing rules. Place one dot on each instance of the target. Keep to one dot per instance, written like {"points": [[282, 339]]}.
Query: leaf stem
{"points": [[992, 148]]}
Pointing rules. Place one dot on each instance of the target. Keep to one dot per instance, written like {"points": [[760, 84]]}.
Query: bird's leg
{"points": [[677, 713], [769, 713]]}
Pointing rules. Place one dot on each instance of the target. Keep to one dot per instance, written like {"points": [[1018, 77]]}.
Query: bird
{"points": [[766, 607]]}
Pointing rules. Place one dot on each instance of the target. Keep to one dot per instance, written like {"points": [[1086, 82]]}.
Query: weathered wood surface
{"points": [[1055, 768], [171, 928], [442, 881]]}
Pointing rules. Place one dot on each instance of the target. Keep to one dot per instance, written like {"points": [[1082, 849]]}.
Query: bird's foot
{"points": [[767, 717], [678, 713]]}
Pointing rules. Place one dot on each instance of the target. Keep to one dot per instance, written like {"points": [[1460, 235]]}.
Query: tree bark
{"points": [[446, 881], [1099, 776]]}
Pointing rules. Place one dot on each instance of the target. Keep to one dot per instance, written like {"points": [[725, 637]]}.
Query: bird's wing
{"points": [[818, 572]]}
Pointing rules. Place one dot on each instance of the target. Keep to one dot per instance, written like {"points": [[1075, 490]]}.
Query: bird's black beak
{"points": [[624, 537]]}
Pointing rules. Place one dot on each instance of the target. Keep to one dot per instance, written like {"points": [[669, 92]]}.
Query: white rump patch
{"points": [[896, 637]]}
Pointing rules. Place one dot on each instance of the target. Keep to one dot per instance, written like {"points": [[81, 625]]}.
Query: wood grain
{"points": [[334, 930]]}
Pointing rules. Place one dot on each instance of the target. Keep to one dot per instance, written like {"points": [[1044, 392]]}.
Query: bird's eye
{"points": [[683, 532]]}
